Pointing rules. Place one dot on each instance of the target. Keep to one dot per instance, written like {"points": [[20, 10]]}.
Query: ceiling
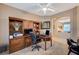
{"points": [[36, 8]]}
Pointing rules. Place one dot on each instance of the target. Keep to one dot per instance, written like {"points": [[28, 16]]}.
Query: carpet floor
{"points": [[56, 49]]}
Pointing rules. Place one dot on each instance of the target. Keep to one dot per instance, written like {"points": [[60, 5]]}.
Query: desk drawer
{"points": [[28, 42]]}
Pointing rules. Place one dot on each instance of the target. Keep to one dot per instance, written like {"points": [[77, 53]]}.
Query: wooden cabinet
{"points": [[27, 24], [19, 43], [16, 44], [30, 24], [15, 23]]}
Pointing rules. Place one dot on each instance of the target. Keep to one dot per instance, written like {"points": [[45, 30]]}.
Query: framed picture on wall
{"points": [[45, 25]]}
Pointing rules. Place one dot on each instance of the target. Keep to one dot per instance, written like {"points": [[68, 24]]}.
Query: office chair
{"points": [[72, 48], [34, 42], [47, 32]]}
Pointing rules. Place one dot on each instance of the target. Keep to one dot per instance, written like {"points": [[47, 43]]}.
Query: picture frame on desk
{"points": [[45, 25]]}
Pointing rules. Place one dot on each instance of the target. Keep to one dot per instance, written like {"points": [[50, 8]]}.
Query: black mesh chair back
{"points": [[69, 42], [34, 42], [47, 32], [33, 37], [72, 48]]}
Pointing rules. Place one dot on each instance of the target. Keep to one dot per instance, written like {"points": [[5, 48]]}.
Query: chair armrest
{"points": [[74, 44], [73, 41]]}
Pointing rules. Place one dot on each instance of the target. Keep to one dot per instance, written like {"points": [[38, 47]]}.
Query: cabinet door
{"points": [[28, 42], [25, 24], [16, 44], [30, 25]]}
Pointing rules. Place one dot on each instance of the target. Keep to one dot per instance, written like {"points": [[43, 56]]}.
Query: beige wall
{"points": [[77, 22], [5, 12], [73, 14], [62, 35], [43, 19]]}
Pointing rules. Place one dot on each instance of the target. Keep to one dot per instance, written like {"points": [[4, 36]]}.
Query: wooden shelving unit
{"points": [[36, 27], [18, 43]]}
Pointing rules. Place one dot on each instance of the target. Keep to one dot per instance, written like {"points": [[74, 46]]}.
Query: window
{"points": [[66, 27], [65, 24]]}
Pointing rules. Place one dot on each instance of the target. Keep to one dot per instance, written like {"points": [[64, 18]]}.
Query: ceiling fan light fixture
{"points": [[44, 9]]}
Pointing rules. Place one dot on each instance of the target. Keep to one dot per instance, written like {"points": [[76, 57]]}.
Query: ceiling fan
{"points": [[45, 7]]}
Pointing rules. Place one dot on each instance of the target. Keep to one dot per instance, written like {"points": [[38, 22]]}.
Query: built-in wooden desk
{"points": [[27, 40], [19, 43], [16, 44]]}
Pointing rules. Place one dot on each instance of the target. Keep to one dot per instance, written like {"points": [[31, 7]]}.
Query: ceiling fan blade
{"points": [[40, 5], [51, 9], [48, 5], [43, 5], [38, 10]]}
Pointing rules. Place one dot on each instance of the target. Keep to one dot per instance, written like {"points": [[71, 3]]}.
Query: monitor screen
{"points": [[27, 31]]}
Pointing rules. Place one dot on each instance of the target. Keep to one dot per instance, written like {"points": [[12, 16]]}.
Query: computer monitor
{"points": [[27, 31]]}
